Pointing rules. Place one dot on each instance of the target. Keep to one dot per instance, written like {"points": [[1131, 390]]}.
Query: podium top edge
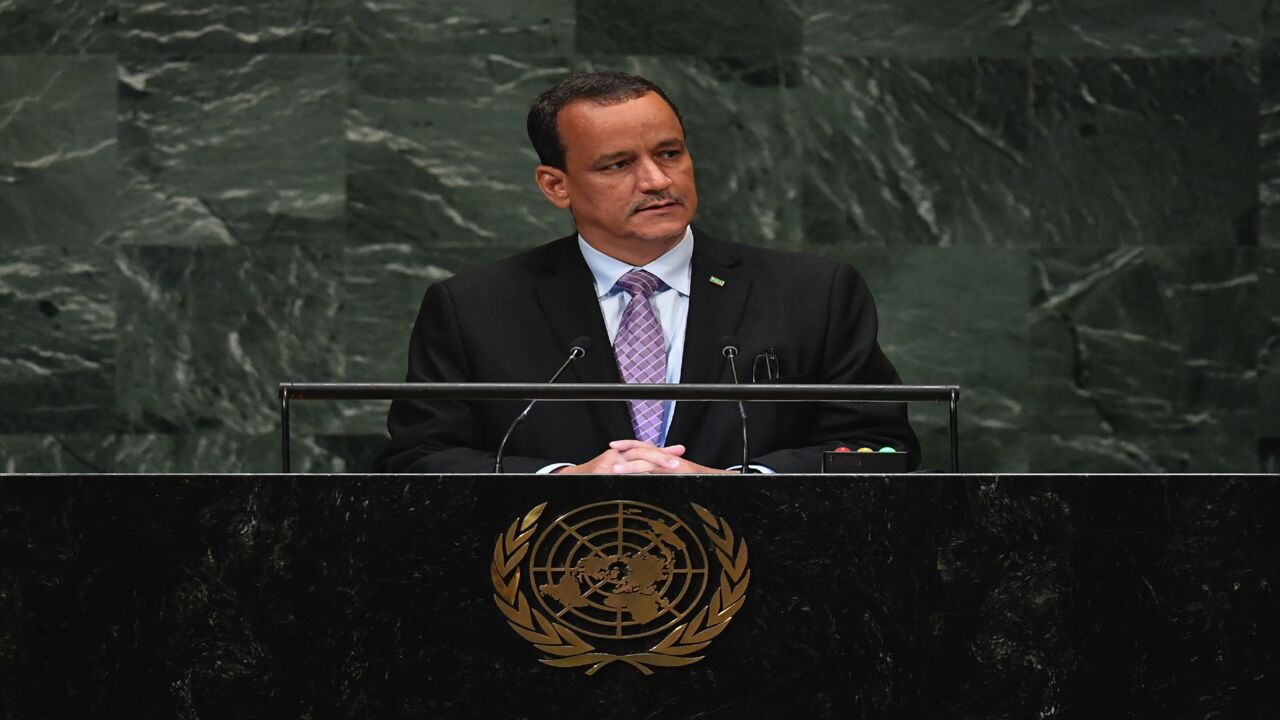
{"points": [[618, 391]]}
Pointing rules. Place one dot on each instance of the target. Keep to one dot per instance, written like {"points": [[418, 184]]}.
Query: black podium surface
{"points": [[888, 597]]}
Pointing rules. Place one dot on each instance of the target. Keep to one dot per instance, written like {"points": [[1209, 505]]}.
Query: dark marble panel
{"points": [[916, 153], [1145, 359], [957, 316], [1269, 348], [190, 452], [57, 151], [438, 158], [205, 335], [1107, 452], [180, 27], [1269, 452], [741, 119], [701, 27], [477, 26], [138, 453], [1269, 144], [917, 28], [58, 357], [940, 597], [353, 453], [1145, 152], [63, 452], [1176, 589], [197, 452], [382, 289], [232, 149], [1144, 28], [71, 452], [66, 27]]}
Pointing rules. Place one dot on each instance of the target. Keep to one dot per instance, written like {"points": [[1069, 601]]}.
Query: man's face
{"points": [[628, 177]]}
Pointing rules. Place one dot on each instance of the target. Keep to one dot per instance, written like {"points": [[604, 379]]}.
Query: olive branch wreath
{"points": [[675, 650]]}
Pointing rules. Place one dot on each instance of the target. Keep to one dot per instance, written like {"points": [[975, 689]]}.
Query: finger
{"points": [[621, 445], [677, 450], [682, 467], [688, 467], [632, 467], [653, 455], [654, 458]]}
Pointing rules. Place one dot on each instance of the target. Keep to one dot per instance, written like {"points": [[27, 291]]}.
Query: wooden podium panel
{"points": [[887, 597]]}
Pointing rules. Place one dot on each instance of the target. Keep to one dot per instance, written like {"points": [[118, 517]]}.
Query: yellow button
{"points": [[865, 449]]}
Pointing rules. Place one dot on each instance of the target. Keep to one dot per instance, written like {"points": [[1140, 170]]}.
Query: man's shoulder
{"points": [[536, 264], [525, 266]]}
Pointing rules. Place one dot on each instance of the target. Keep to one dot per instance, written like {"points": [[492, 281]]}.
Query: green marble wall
{"points": [[1069, 207]]}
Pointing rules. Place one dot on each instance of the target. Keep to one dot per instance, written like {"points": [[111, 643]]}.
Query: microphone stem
{"points": [[742, 411], [574, 354]]}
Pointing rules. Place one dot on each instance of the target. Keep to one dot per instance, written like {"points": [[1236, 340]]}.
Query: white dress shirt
{"points": [[670, 303]]}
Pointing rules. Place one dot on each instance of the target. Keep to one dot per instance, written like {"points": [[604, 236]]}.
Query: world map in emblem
{"points": [[619, 569]]}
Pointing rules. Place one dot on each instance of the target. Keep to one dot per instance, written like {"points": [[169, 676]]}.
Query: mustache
{"points": [[665, 198]]}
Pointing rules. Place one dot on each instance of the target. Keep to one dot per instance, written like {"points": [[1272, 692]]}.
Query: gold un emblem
{"points": [[622, 575]]}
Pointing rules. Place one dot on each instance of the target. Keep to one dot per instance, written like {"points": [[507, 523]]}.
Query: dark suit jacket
{"points": [[513, 320]]}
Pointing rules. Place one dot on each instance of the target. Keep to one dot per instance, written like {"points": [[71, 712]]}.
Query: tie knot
{"points": [[639, 282]]}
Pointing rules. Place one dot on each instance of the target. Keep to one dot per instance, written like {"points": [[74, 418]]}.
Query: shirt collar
{"points": [[673, 268]]}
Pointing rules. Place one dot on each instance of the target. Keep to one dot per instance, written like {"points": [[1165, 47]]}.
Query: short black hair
{"points": [[608, 87]]}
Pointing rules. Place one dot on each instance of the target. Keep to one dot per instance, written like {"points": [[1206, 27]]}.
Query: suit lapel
{"points": [[715, 310], [567, 298]]}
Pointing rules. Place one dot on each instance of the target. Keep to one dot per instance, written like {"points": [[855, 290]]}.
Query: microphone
{"points": [[577, 349], [729, 348]]}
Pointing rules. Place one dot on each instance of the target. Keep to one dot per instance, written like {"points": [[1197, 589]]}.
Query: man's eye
{"points": [[616, 166], [668, 154]]}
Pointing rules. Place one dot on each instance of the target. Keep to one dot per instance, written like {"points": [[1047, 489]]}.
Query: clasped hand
{"points": [[632, 457]]}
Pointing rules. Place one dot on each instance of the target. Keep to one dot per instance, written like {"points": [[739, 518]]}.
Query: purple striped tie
{"points": [[641, 351]]}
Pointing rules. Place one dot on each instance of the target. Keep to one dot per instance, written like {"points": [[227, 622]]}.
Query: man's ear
{"points": [[553, 184]]}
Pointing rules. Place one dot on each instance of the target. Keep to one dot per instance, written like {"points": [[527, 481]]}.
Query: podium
{"points": [[885, 597]]}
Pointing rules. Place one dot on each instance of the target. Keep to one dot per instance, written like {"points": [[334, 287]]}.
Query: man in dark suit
{"points": [[655, 296]]}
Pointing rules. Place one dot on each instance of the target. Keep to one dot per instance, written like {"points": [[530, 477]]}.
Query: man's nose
{"points": [[651, 177]]}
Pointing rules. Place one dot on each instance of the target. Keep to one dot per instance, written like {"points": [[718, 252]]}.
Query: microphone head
{"points": [[580, 346], [728, 345]]}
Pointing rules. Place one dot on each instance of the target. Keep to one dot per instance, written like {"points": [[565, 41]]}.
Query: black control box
{"points": [[864, 463]]}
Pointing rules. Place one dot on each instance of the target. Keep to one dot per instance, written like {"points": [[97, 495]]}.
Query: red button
{"points": [[843, 449]]}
